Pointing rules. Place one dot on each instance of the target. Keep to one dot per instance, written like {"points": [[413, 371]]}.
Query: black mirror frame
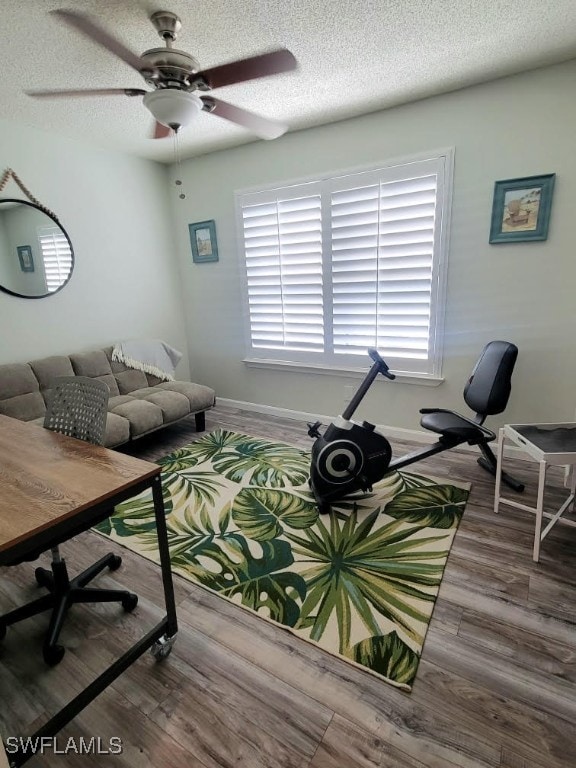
{"points": [[55, 220]]}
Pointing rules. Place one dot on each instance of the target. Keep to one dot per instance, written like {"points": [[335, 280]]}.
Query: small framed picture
{"points": [[521, 209], [25, 257], [203, 241]]}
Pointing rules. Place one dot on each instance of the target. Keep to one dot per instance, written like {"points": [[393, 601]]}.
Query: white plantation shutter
{"points": [[56, 255], [283, 250], [382, 263], [339, 265]]}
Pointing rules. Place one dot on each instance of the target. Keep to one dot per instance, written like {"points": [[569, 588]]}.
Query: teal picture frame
{"points": [[25, 258], [203, 241], [521, 209]]}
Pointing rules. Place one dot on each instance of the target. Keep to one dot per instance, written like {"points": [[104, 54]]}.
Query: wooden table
{"points": [[51, 487]]}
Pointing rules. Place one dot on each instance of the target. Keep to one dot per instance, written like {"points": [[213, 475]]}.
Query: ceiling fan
{"points": [[179, 85]]}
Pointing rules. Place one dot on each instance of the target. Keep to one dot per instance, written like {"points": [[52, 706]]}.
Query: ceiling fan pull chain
{"points": [[10, 174], [178, 182]]}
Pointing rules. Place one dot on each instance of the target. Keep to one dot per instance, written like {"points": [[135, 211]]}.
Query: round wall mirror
{"points": [[36, 256]]}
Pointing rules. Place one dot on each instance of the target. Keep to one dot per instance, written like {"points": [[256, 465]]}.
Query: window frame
{"points": [[329, 362]]}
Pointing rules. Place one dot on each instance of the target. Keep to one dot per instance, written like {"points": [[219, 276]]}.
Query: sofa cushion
{"points": [[114, 365], [49, 368], [17, 379], [110, 381], [200, 397], [20, 392], [24, 407], [174, 405], [118, 400], [143, 416], [129, 380], [117, 430], [91, 364]]}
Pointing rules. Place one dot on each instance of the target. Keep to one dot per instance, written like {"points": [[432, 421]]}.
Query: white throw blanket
{"points": [[149, 355]]}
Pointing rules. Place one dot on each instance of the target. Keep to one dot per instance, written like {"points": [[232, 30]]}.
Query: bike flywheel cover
{"points": [[339, 461]]}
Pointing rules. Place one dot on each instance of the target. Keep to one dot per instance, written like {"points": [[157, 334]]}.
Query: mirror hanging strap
{"points": [[10, 174]]}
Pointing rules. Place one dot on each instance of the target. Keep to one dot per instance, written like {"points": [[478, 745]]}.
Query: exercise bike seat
{"points": [[454, 427], [486, 392]]}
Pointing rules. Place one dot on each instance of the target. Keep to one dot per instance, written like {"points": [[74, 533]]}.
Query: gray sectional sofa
{"points": [[139, 402]]}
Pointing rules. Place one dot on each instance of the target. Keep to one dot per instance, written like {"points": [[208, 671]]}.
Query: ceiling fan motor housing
{"points": [[170, 66]]}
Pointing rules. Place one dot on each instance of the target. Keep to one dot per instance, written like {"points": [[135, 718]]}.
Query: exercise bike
{"points": [[351, 456]]}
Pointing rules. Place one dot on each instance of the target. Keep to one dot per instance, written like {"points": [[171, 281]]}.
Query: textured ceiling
{"points": [[355, 56]]}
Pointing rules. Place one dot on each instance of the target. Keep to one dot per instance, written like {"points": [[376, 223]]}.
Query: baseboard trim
{"points": [[400, 433]]}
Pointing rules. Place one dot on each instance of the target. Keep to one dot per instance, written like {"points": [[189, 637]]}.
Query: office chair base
{"points": [[64, 593]]}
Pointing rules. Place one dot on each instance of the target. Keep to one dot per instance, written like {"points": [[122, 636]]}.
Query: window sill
{"points": [[406, 377]]}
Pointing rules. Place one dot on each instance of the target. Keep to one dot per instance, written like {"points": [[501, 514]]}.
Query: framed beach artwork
{"points": [[25, 258], [521, 209], [203, 241]]}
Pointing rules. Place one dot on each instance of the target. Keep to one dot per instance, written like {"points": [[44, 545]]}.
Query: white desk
{"points": [[547, 444]]}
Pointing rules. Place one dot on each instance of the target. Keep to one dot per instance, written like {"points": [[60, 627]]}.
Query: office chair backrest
{"points": [[78, 407], [488, 388]]}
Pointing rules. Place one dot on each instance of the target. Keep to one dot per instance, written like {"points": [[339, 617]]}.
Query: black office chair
{"points": [[78, 408], [486, 392]]}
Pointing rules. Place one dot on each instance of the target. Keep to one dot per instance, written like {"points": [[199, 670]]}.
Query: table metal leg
{"points": [[167, 583], [539, 511], [499, 459]]}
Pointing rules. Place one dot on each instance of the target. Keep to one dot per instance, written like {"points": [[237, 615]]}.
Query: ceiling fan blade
{"points": [[261, 126], [239, 71], [161, 131], [86, 92], [85, 25]]}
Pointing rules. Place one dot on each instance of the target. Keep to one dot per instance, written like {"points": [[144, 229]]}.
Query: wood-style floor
{"points": [[496, 685]]}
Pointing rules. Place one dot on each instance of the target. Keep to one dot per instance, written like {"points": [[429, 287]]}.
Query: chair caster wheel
{"points": [[43, 577], [162, 647], [129, 603], [3, 629], [115, 563], [324, 508], [53, 654]]}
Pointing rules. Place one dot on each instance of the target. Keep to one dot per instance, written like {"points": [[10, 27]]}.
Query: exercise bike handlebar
{"points": [[379, 366], [383, 368]]}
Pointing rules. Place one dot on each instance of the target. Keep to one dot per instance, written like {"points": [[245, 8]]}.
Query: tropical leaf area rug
{"points": [[360, 582]]}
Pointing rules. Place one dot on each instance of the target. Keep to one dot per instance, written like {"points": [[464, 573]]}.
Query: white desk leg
{"points": [[539, 511], [499, 458]]}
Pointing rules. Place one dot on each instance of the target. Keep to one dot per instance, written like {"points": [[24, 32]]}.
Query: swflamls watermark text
{"points": [[51, 744]]}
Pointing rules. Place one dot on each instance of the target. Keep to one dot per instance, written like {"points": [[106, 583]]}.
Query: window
{"points": [[56, 255], [341, 264]]}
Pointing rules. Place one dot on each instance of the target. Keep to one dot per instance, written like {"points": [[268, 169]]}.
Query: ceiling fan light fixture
{"points": [[173, 107]]}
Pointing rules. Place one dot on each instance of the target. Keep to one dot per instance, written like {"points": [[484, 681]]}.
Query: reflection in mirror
{"points": [[36, 257]]}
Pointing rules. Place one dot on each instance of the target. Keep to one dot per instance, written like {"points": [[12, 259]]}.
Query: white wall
{"points": [[517, 126], [125, 281]]}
